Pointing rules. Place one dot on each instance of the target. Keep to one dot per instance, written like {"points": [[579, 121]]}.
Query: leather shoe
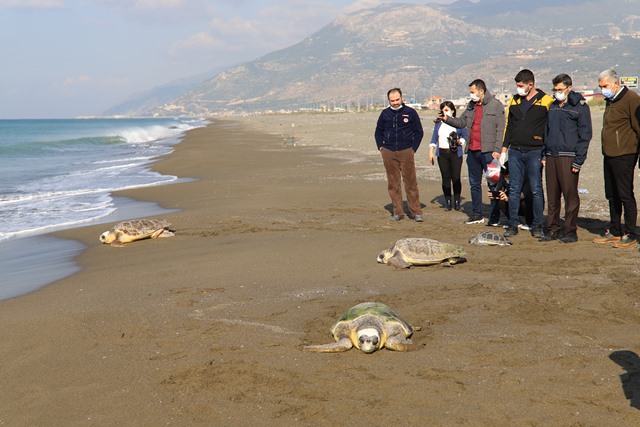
{"points": [[569, 238]]}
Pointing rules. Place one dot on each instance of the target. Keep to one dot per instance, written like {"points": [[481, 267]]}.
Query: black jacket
{"points": [[525, 130]]}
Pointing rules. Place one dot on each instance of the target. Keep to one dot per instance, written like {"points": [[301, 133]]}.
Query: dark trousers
{"points": [[525, 164], [477, 165], [400, 166], [450, 167], [618, 189], [561, 182]]}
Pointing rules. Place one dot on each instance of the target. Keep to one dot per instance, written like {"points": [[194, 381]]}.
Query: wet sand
{"points": [[273, 242]]}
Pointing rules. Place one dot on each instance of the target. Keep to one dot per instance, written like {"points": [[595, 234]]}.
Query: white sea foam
{"points": [[59, 174]]}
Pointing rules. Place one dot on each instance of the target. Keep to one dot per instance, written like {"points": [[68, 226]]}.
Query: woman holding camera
{"points": [[447, 145]]}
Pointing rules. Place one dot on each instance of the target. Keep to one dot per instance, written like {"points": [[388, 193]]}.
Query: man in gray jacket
{"points": [[485, 121]]}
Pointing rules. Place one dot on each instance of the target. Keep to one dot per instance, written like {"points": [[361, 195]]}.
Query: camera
{"points": [[453, 139]]}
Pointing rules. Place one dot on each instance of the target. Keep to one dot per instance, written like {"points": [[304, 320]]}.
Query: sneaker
{"points": [[396, 217], [625, 242], [418, 218], [456, 205], [526, 227], [606, 237], [448, 205], [512, 230], [475, 219], [493, 224], [537, 232], [569, 238]]}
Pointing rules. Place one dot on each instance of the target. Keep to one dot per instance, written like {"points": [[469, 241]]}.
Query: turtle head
{"points": [[384, 256], [369, 340], [107, 237]]}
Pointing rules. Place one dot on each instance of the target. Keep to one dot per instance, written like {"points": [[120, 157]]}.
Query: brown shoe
{"points": [[625, 242], [606, 237]]}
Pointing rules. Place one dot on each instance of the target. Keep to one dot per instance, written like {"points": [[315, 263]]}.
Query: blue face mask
{"points": [[608, 93]]}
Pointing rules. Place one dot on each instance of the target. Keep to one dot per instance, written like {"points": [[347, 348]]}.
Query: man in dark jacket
{"points": [[620, 134], [566, 145], [524, 139], [398, 135], [484, 119]]}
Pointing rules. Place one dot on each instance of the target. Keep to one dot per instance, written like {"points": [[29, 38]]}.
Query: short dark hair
{"points": [[525, 76], [395, 89], [562, 78], [479, 84], [450, 105]]}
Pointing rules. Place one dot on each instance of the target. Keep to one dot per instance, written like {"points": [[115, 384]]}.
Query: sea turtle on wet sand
{"points": [[137, 229], [488, 238], [368, 326], [421, 251]]}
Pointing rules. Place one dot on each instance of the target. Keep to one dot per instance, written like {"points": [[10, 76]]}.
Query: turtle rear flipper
{"points": [[335, 347], [165, 233], [398, 343]]}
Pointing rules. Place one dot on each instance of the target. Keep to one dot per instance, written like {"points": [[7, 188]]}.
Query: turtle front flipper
{"points": [[398, 262], [398, 343], [343, 344]]}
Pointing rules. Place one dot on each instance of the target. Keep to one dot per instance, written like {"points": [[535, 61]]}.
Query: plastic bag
{"points": [[493, 171]]}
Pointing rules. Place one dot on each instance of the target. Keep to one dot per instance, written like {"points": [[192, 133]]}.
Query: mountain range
{"points": [[427, 50]]}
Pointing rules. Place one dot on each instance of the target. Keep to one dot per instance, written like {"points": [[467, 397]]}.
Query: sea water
{"points": [[57, 174]]}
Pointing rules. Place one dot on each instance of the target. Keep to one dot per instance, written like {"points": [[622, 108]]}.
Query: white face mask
{"points": [[560, 96], [449, 114], [522, 91], [474, 97]]}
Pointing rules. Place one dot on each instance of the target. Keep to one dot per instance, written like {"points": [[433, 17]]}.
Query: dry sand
{"points": [[273, 243]]}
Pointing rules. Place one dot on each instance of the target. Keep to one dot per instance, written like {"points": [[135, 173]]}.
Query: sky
{"points": [[69, 58]]}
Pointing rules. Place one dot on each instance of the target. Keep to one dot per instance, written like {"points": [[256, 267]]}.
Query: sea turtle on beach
{"points": [[421, 251], [368, 326], [488, 238], [137, 229]]}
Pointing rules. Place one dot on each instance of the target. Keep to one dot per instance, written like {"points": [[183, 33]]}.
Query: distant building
{"points": [[433, 103]]}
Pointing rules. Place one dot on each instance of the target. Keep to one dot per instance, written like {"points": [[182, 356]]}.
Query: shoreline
{"points": [[32, 262], [272, 244]]}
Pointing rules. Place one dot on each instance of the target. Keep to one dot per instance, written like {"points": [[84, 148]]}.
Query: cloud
{"points": [[32, 4], [202, 41], [361, 4], [275, 26], [76, 81]]}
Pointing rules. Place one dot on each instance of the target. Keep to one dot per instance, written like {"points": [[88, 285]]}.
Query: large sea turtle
{"points": [[368, 326], [421, 251], [137, 229], [488, 238]]}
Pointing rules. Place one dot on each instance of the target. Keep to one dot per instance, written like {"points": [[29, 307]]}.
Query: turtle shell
{"points": [[377, 309], [141, 227], [423, 251], [488, 238]]}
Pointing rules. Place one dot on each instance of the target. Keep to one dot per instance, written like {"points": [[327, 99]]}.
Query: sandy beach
{"points": [[273, 242]]}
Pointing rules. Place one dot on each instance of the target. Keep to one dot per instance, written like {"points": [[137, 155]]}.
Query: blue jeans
{"points": [[477, 165], [529, 164]]}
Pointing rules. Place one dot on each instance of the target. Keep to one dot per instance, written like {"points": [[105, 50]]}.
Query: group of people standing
{"points": [[535, 134]]}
